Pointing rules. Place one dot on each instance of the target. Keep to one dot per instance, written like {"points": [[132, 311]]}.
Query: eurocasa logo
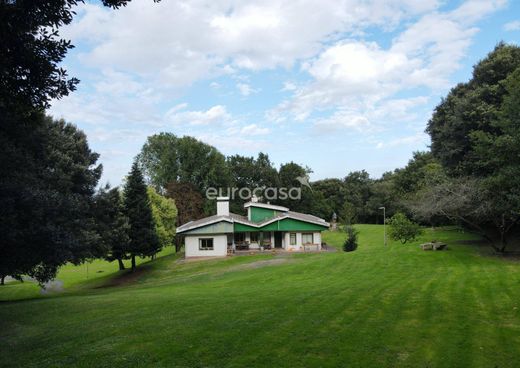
{"points": [[304, 181], [269, 193]]}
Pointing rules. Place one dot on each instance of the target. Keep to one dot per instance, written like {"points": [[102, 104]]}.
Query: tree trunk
{"points": [[178, 243], [503, 244], [133, 263], [2, 280], [121, 264]]}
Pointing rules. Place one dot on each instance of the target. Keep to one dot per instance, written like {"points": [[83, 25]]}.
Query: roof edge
{"points": [[265, 205]]}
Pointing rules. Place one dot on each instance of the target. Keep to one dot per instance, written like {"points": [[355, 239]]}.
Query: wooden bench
{"points": [[433, 246], [309, 247], [242, 246], [267, 244]]}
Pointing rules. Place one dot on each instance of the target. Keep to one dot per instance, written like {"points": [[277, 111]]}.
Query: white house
{"points": [[267, 226]]}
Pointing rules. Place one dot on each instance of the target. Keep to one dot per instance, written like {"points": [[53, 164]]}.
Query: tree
{"points": [[472, 108], [358, 190], [112, 225], [467, 201], [188, 201], [350, 244], [248, 172], [383, 193], [166, 158], [143, 238], [164, 214], [421, 171], [475, 135], [328, 198], [348, 213], [289, 175], [48, 176], [32, 49], [47, 171], [403, 229]]}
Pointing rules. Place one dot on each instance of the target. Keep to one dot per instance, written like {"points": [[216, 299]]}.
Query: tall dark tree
{"points": [[292, 175], [419, 172], [41, 226], [31, 49], [475, 135], [250, 172], [472, 108], [358, 191], [143, 238], [189, 202], [112, 225], [47, 181]]}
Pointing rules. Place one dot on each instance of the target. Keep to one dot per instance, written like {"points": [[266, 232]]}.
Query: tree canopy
{"points": [[47, 182], [164, 214], [112, 225], [32, 49], [144, 241], [475, 133]]}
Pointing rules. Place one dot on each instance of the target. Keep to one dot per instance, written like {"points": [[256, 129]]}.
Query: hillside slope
{"points": [[377, 306]]}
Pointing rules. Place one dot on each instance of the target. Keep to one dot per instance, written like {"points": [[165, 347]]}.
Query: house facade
{"points": [[265, 227]]}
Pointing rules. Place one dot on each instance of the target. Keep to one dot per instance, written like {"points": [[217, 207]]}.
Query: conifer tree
{"points": [[112, 225], [143, 238]]}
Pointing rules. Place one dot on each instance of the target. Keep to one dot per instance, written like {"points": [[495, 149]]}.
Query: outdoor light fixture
{"points": [[384, 221]]}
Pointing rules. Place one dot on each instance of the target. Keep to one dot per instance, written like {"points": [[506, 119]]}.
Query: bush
{"points": [[350, 244], [403, 229]]}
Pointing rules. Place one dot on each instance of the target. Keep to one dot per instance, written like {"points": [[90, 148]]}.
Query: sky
{"points": [[336, 85]]}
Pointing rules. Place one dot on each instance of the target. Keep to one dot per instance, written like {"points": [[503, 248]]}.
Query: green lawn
{"points": [[394, 306]]}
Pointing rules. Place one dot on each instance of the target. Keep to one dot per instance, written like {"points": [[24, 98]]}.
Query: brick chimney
{"points": [[222, 206]]}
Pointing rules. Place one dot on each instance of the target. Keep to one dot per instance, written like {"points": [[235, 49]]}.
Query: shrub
{"points": [[403, 229], [350, 244]]}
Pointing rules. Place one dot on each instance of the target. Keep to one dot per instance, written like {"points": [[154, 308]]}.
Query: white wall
{"points": [[252, 245], [299, 244], [222, 208], [191, 243]]}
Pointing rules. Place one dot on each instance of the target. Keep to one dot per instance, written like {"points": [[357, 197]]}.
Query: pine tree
{"points": [[143, 238], [112, 225]]}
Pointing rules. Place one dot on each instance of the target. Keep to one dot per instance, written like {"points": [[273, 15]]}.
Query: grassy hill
{"points": [[394, 306]]}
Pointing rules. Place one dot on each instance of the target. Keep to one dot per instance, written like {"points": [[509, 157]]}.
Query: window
{"points": [[266, 238], [206, 244], [307, 238], [240, 237], [293, 239], [254, 237]]}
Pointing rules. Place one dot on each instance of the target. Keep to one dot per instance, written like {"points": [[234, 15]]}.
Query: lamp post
{"points": [[384, 221]]}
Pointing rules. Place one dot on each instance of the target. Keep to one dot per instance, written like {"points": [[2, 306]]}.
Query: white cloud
{"points": [[359, 77], [137, 61], [512, 26], [246, 89], [343, 119], [254, 129], [229, 145], [164, 40], [412, 140], [289, 86], [215, 115], [114, 99]]}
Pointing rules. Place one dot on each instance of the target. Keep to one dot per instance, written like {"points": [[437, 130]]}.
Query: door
{"points": [[278, 239]]}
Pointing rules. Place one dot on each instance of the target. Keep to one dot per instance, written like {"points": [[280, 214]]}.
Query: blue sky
{"points": [[337, 85]]}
